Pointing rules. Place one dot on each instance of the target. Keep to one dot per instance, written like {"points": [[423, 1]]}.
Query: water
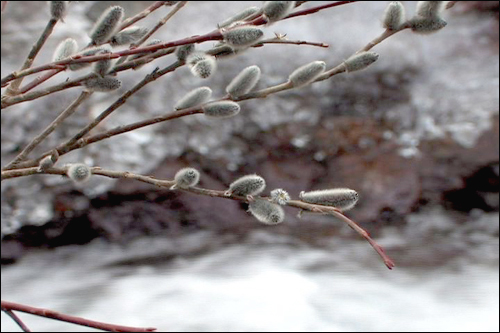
{"points": [[263, 283]]}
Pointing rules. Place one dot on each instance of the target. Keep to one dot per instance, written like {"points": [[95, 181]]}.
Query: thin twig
{"points": [[119, 102], [14, 86], [32, 95], [213, 193], [262, 20], [39, 80], [16, 319], [71, 319], [162, 22], [58, 121], [293, 42], [134, 19], [337, 213]]}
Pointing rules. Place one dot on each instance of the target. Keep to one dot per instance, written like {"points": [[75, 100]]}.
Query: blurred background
{"points": [[416, 134]]}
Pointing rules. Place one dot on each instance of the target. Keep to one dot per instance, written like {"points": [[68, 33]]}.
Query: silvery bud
{"points": [[340, 198], [185, 178], [266, 212]]}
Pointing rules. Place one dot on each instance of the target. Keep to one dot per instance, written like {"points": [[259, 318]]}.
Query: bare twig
{"points": [[16, 319], [14, 86], [136, 18], [58, 121], [162, 22], [32, 95], [292, 42], [338, 214], [39, 80], [11, 306]]}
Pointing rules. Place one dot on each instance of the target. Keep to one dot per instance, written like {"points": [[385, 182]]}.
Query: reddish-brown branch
{"points": [[262, 20], [39, 80], [337, 213], [214, 35], [10, 306], [14, 86], [17, 320]]}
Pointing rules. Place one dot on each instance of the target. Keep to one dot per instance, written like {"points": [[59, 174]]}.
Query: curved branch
{"points": [[11, 306], [212, 193]]}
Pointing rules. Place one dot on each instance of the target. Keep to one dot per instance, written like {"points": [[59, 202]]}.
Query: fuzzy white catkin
{"points": [[360, 61], [102, 67], [201, 64], [430, 9], [46, 163], [128, 36], [205, 68], [280, 196], [423, 25], [106, 25], [58, 9], [105, 84], [247, 185], [65, 49], [183, 51], [394, 16], [247, 12], [186, 177], [341, 198], [242, 36], [89, 52], [79, 173], [276, 10], [266, 212], [244, 81], [150, 43], [222, 109], [193, 98], [307, 73]]}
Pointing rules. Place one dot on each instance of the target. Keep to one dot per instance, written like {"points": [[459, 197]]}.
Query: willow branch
{"points": [[279, 40], [11, 306], [39, 80], [16, 319], [262, 20], [211, 36], [119, 102], [58, 121], [214, 35], [14, 86], [213, 193], [29, 96]]}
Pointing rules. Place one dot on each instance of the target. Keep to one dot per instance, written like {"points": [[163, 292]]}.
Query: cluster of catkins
{"points": [[104, 35], [270, 211], [427, 19]]}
